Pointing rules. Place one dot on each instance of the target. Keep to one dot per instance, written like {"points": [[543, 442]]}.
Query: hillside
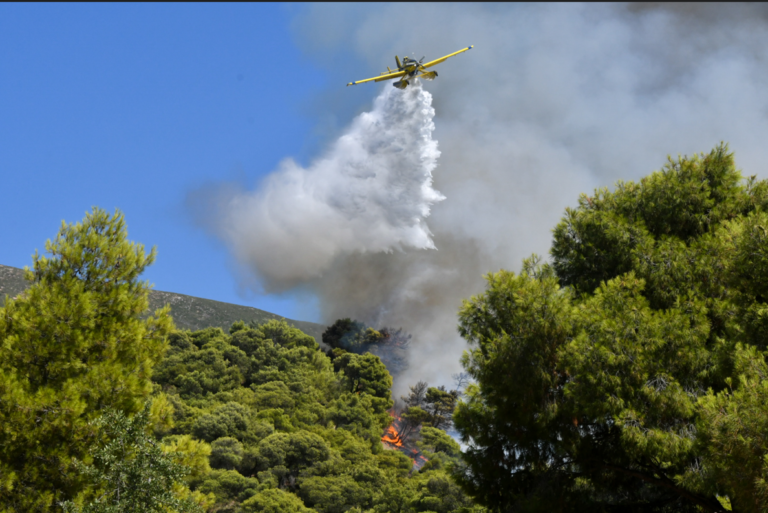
{"points": [[192, 313]]}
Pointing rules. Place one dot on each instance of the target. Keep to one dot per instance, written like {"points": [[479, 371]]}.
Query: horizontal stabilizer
{"points": [[429, 75]]}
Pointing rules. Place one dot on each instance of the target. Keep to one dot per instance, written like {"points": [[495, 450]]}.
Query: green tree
{"points": [[294, 427], [131, 470], [226, 453], [280, 332], [440, 494], [295, 451], [366, 374], [629, 374], [442, 451], [440, 403], [416, 395], [412, 418], [275, 501], [229, 420], [435, 440], [72, 345], [334, 494], [228, 486], [274, 394], [201, 367], [344, 334]]}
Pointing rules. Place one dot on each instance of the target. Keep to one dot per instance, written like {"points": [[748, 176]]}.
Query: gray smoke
{"points": [[553, 101]]}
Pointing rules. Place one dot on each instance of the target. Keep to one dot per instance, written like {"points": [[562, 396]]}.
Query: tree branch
{"points": [[708, 505]]}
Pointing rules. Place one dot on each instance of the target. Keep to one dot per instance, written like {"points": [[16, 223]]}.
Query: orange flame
{"points": [[393, 439], [391, 436]]}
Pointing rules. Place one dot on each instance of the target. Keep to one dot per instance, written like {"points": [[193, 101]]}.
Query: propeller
{"points": [[421, 60]]}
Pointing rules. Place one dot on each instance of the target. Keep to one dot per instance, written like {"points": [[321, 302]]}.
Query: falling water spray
{"points": [[371, 192]]}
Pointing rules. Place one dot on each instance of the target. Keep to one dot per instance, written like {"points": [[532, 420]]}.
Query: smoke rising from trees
{"points": [[553, 100]]}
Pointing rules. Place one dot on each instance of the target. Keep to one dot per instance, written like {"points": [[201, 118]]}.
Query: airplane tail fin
{"points": [[397, 60]]}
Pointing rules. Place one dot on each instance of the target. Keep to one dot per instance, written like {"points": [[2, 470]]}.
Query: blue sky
{"points": [[131, 106]]}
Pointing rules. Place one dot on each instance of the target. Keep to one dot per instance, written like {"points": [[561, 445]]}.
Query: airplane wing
{"points": [[379, 79], [441, 59]]}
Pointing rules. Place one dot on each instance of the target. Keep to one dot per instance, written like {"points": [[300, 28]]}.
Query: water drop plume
{"points": [[370, 192]]}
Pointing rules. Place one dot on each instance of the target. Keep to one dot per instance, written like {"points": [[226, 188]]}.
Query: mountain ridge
{"points": [[188, 312]]}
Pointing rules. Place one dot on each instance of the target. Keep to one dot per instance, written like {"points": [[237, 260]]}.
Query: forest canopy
{"points": [[105, 409], [629, 373]]}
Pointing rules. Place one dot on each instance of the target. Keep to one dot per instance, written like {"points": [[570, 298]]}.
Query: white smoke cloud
{"points": [[370, 193], [554, 100]]}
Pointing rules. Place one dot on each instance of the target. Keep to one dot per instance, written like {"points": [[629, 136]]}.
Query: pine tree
{"points": [[131, 470], [630, 374], [71, 346]]}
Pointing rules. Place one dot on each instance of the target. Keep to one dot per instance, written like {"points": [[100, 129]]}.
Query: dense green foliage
{"points": [[72, 346], [426, 406], [292, 430], [131, 473], [630, 374], [103, 410]]}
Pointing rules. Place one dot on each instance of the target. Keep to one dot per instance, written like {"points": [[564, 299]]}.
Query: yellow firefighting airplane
{"points": [[410, 69]]}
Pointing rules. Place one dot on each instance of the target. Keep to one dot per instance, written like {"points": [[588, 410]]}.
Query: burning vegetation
{"points": [[423, 407], [394, 440], [391, 436]]}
